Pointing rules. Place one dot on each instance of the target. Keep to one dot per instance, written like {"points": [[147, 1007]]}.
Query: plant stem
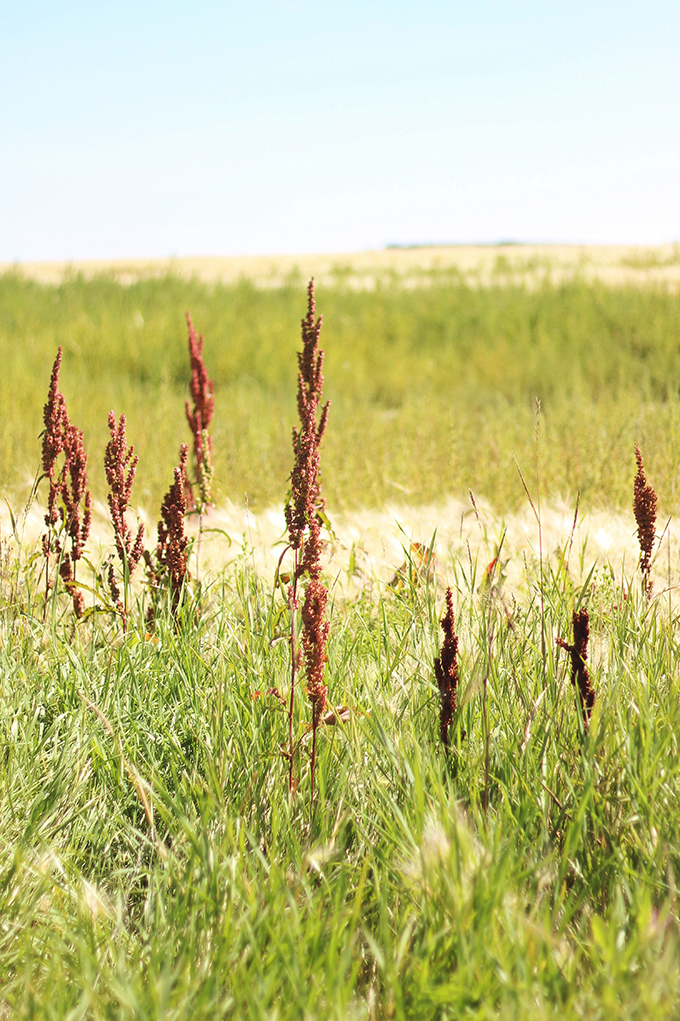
{"points": [[292, 602]]}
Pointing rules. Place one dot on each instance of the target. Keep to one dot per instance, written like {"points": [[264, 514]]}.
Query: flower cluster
{"points": [[303, 512], [644, 506], [120, 464], [67, 489], [579, 654], [202, 395], [305, 502], [446, 671], [172, 549]]}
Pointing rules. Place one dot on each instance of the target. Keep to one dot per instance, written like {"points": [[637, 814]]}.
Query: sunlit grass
{"points": [[153, 863], [433, 390], [397, 894]]}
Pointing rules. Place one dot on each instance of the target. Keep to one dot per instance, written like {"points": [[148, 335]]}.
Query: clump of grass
{"points": [[304, 513], [67, 491], [120, 464], [644, 506], [580, 678], [446, 671]]}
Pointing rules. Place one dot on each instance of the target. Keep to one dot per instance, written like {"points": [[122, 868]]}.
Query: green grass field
{"points": [[399, 895], [433, 389], [153, 864]]}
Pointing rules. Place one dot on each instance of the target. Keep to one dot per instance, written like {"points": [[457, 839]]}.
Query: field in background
{"points": [[433, 387], [473, 264]]}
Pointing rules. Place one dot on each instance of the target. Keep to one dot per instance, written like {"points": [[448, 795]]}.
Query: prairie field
{"points": [[433, 388], [170, 845]]}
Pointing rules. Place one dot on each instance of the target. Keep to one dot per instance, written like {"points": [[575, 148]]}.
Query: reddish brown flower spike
{"points": [[303, 512], [55, 420], [315, 629], [171, 551], [305, 501], [579, 654], [120, 464], [446, 671], [644, 506], [75, 492], [67, 487], [202, 394]]}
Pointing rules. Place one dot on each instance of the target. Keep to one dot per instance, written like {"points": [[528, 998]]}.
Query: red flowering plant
{"points": [[644, 507], [446, 672], [167, 571], [120, 465], [578, 651], [199, 418], [69, 502], [305, 515]]}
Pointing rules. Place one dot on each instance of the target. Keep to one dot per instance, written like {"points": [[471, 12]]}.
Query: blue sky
{"points": [[164, 128]]}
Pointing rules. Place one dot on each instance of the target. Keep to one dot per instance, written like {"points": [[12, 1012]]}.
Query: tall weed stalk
{"points": [[305, 513]]}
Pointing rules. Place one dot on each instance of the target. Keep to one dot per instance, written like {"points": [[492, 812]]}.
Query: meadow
{"points": [[433, 388], [154, 862]]}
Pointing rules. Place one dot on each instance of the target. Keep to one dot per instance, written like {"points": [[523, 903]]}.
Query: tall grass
{"points": [[153, 866], [481, 845], [433, 389]]}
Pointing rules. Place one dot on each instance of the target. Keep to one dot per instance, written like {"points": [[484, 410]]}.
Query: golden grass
{"points": [[369, 545], [478, 265]]}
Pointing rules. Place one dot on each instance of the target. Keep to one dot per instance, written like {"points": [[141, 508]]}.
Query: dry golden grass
{"points": [[477, 264], [369, 545]]}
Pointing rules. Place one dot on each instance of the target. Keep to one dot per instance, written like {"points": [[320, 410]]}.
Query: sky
{"points": [[150, 129]]}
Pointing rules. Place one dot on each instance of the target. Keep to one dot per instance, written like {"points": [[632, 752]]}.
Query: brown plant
{"points": [[304, 515], [120, 464], [172, 547], [67, 490], [55, 420], [202, 395], [644, 506], [579, 671], [446, 671]]}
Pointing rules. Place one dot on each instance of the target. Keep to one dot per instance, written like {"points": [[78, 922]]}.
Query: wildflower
{"points": [[644, 506], [446, 671], [579, 654], [67, 489], [120, 464], [55, 419], [202, 395], [305, 502], [304, 514], [171, 551]]}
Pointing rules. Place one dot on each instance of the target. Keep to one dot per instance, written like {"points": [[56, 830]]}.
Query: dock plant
{"points": [[304, 514], [644, 507], [69, 502], [120, 464]]}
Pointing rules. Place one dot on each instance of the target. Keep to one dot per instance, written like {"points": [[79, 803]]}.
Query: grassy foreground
{"points": [[433, 389], [153, 865]]}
